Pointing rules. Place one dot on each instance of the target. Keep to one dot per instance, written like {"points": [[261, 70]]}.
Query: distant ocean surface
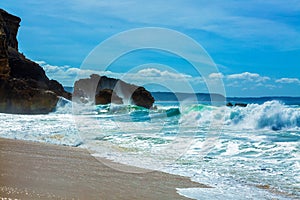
{"points": [[248, 152]]}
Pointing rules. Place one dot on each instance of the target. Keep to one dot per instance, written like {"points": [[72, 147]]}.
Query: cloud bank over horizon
{"points": [[246, 81]]}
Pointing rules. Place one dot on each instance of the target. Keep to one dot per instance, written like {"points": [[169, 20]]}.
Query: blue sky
{"points": [[255, 44]]}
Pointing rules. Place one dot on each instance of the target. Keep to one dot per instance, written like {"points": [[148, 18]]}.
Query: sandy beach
{"points": [[32, 170]]}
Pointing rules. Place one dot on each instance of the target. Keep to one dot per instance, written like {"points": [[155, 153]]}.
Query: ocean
{"points": [[250, 152]]}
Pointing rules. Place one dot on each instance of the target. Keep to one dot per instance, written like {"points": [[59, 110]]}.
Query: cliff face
{"points": [[103, 90], [24, 86], [9, 26]]}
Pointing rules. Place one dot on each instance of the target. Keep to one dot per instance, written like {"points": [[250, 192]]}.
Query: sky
{"points": [[254, 44]]}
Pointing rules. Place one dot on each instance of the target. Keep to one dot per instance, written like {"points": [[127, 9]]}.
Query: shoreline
{"points": [[32, 170]]}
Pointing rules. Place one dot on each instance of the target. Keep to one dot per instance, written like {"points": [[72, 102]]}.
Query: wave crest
{"points": [[269, 115], [272, 114]]}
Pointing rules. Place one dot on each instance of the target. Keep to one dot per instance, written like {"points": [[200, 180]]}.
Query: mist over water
{"points": [[254, 155]]}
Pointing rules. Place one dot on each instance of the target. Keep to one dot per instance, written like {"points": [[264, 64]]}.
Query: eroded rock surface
{"points": [[24, 86], [104, 90]]}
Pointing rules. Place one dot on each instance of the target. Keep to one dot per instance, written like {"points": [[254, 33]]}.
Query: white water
{"points": [[236, 150]]}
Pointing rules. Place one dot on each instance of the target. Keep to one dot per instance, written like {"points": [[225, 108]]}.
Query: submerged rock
{"points": [[103, 90], [229, 104], [241, 104], [24, 86]]}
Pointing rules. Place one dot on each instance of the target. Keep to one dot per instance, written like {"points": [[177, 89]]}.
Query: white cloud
{"points": [[73, 71], [51, 68], [170, 78], [257, 84], [288, 80], [64, 74], [247, 76], [156, 73], [216, 76], [270, 86]]}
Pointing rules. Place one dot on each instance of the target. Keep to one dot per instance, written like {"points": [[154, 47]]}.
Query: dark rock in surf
{"points": [[93, 88], [141, 97], [241, 104], [229, 104], [107, 96], [24, 86]]}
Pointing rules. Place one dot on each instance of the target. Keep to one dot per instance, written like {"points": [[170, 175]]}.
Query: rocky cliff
{"points": [[24, 86], [103, 90], [9, 26]]}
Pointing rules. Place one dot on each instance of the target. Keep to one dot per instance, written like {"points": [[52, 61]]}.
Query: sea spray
{"points": [[257, 145], [271, 115], [63, 106]]}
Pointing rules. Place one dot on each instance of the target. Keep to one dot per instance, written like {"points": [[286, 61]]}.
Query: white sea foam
{"points": [[270, 115], [254, 145]]}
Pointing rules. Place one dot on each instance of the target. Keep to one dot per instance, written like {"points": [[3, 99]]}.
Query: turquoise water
{"points": [[243, 153]]}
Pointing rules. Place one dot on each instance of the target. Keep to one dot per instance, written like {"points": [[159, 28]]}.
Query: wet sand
{"points": [[30, 170]]}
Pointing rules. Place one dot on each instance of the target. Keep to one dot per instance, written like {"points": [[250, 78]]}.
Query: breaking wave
{"points": [[272, 115]]}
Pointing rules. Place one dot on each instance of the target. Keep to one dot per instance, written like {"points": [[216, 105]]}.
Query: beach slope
{"points": [[31, 170]]}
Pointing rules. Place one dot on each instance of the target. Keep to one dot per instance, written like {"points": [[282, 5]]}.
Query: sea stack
{"points": [[104, 90], [24, 86]]}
